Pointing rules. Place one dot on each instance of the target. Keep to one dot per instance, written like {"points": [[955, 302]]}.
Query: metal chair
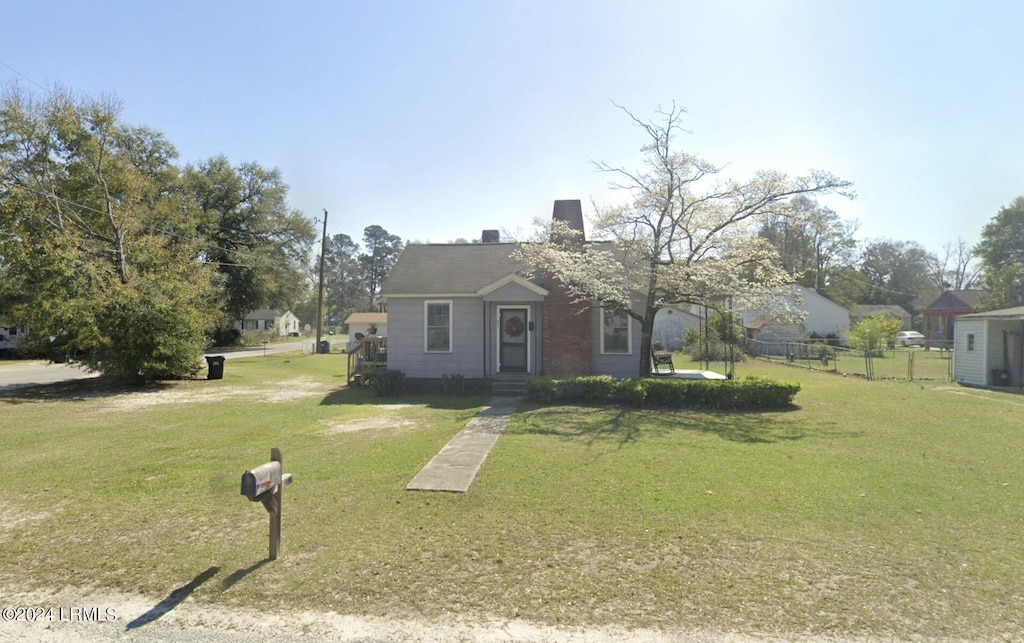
{"points": [[661, 357]]}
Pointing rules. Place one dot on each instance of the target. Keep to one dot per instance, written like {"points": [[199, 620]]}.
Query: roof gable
{"points": [[512, 279], [955, 300], [810, 293]]}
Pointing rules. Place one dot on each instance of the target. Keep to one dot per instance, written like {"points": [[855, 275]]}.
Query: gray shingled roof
{"points": [[950, 299], [449, 269], [1005, 313], [868, 310]]}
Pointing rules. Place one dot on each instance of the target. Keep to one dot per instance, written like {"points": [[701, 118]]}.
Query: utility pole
{"points": [[320, 298]]}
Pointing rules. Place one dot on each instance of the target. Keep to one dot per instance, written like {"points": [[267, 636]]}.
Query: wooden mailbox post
{"points": [[264, 483]]}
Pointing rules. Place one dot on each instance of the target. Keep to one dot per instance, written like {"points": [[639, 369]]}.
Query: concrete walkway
{"points": [[454, 468]]}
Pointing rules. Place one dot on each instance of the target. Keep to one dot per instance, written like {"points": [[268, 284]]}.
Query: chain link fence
{"points": [[898, 363]]}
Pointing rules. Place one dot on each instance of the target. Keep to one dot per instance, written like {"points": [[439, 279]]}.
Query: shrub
{"points": [[388, 383], [664, 393], [874, 333], [453, 384], [595, 388], [751, 393], [631, 392], [714, 342], [540, 390], [225, 334]]}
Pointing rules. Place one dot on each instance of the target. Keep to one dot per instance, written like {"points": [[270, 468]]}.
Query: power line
{"points": [[873, 286], [145, 227], [22, 75]]}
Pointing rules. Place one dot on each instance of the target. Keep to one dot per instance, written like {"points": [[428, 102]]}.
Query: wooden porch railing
{"points": [[369, 356]]}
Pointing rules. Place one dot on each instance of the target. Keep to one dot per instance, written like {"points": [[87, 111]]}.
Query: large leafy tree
{"points": [[682, 236], [343, 283], [1001, 250], [955, 267], [94, 259], [814, 243], [897, 272], [381, 250], [258, 245]]}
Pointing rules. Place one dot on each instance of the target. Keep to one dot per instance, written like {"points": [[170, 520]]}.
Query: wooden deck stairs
{"points": [[369, 357]]}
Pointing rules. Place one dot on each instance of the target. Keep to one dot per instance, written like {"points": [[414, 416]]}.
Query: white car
{"points": [[909, 338]]}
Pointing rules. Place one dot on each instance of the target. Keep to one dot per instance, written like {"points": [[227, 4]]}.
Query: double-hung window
{"points": [[438, 327], [615, 335]]}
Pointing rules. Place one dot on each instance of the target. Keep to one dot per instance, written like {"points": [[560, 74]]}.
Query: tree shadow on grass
{"points": [[597, 424], [352, 395], [73, 391], [173, 599]]}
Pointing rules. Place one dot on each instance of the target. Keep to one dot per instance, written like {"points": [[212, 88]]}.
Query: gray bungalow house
{"points": [[473, 310]]}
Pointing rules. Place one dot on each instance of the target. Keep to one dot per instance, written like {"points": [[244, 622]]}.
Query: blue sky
{"points": [[437, 119]]}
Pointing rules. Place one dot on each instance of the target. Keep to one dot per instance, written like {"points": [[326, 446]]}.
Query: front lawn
{"points": [[873, 509]]}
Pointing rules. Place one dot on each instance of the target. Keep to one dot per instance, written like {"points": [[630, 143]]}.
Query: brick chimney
{"points": [[568, 341], [490, 236], [570, 212]]}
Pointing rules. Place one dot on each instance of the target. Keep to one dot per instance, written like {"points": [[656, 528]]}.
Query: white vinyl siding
{"points": [[970, 366], [437, 319]]}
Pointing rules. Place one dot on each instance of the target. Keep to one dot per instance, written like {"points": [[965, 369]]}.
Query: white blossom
{"points": [[684, 236]]}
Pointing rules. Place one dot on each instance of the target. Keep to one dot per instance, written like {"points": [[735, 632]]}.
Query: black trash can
{"points": [[325, 347], [215, 367]]}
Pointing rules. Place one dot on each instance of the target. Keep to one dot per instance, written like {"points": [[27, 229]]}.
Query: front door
{"points": [[513, 329]]}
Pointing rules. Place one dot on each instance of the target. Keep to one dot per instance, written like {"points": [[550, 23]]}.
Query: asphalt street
{"points": [[18, 373]]}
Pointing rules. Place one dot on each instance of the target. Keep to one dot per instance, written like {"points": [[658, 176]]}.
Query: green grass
{"points": [[877, 509]]}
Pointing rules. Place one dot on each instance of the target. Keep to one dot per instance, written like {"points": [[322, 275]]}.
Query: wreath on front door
{"points": [[514, 327]]}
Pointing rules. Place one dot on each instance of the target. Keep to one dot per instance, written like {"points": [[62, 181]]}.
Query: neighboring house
{"points": [[9, 340], [988, 349], [940, 315], [473, 310], [821, 316], [861, 312], [362, 323], [272, 321], [671, 324], [771, 328]]}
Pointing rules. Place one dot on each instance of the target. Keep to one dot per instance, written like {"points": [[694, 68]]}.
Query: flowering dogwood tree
{"points": [[683, 236]]}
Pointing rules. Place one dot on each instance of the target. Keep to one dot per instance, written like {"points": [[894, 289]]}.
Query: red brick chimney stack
{"points": [[568, 328]]}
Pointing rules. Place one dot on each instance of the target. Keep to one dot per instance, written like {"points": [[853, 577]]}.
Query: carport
{"points": [[989, 349]]}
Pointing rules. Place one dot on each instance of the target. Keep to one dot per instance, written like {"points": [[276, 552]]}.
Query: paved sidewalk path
{"points": [[454, 468]]}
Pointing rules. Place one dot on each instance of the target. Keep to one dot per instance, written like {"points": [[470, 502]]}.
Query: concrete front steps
{"points": [[509, 385]]}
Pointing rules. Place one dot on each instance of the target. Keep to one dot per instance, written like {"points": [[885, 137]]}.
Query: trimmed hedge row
{"points": [[745, 394]]}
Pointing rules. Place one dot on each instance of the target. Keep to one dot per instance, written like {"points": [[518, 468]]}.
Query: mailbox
{"points": [[264, 484], [261, 479]]}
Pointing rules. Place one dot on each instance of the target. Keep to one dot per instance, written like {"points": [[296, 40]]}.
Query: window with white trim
{"points": [[437, 332], [970, 341], [615, 332]]}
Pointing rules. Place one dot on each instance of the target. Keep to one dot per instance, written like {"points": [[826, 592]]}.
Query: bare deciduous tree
{"points": [[955, 268]]}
